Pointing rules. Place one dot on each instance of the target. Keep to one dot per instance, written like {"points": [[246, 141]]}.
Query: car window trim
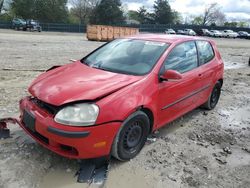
{"points": [[198, 55], [85, 57], [161, 69]]}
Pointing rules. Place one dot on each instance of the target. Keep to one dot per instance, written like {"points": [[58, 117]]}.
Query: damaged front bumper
{"points": [[91, 170], [71, 142]]}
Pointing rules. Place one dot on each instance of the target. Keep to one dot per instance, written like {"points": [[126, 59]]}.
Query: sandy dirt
{"points": [[201, 149]]}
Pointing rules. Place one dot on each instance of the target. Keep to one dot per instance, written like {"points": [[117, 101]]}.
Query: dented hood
{"points": [[75, 82]]}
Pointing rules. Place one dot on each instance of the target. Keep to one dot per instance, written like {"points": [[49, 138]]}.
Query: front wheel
{"points": [[214, 97], [131, 137]]}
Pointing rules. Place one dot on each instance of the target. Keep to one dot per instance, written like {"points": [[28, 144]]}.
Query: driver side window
{"points": [[182, 58]]}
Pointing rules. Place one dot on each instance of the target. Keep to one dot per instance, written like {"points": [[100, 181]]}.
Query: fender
{"points": [[121, 104]]}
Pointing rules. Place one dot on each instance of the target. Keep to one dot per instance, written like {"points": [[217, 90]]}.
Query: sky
{"points": [[234, 9]]}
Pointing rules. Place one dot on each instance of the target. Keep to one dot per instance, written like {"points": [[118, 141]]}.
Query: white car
{"points": [[215, 33], [170, 31], [189, 32], [230, 34]]}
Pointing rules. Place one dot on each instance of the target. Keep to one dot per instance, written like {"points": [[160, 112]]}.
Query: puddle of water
{"points": [[120, 175], [61, 178], [238, 118], [124, 176], [233, 65], [238, 158]]}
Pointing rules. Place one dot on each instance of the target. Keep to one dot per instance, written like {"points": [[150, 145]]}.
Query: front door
{"points": [[179, 96]]}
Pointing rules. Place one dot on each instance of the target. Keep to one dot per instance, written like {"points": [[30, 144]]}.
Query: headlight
{"points": [[78, 115]]}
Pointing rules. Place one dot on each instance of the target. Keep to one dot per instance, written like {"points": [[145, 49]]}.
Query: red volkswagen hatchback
{"points": [[108, 102]]}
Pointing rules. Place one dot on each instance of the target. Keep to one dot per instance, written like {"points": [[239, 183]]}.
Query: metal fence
{"points": [[161, 28], [154, 28], [55, 27]]}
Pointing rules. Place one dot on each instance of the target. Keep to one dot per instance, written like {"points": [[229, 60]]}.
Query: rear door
{"points": [[178, 97], [207, 68]]}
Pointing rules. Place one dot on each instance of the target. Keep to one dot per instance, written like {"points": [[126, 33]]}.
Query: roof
{"points": [[167, 38]]}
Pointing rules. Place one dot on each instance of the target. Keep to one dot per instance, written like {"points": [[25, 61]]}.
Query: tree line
{"points": [[106, 12]]}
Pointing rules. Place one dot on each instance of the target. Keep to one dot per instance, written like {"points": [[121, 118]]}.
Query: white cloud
{"points": [[234, 9], [134, 6]]}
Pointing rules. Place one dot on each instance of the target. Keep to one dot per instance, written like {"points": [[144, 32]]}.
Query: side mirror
{"points": [[170, 75]]}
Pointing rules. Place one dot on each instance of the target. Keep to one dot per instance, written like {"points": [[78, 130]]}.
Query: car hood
{"points": [[76, 82]]}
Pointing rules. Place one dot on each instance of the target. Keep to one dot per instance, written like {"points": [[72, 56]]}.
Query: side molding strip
{"points": [[186, 97]]}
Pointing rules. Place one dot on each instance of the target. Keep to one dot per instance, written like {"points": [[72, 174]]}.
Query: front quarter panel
{"points": [[119, 105]]}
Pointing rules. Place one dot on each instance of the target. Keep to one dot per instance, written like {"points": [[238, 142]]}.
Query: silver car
{"points": [[215, 33], [230, 34], [189, 32], [170, 31]]}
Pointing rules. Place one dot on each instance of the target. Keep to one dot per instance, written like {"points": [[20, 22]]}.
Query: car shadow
{"points": [[179, 122], [166, 130]]}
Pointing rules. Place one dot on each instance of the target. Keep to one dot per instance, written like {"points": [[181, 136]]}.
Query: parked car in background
{"points": [[189, 32], [244, 35], [170, 31], [33, 25], [180, 32], [215, 33], [229, 34], [18, 24], [203, 32], [21, 24]]}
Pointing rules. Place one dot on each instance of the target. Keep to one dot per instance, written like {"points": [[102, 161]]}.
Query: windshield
{"points": [[127, 56]]}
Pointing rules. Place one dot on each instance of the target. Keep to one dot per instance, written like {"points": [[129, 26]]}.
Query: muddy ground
{"points": [[201, 149]]}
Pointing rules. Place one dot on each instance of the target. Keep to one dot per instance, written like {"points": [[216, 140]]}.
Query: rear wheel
{"points": [[214, 97], [131, 137]]}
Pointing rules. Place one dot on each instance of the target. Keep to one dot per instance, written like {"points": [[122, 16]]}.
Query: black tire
{"points": [[214, 97], [131, 137]]}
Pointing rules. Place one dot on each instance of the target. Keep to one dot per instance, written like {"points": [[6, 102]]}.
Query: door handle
{"points": [[200, 76]]}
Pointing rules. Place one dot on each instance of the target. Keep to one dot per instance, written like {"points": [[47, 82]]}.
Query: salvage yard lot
{"points": [[201, 149]]}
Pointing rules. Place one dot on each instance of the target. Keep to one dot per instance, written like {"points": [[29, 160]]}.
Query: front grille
{"points": [[43, 105]]}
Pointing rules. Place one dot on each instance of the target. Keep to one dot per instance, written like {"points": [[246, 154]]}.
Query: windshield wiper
{"points": [[99, 66]]}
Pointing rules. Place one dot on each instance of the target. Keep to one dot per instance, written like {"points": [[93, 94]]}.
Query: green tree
{"points": [[5, 13], [141, 15], [1, 5], [108, 12], [177, 18], [162, 12], [51, 10], [144, 16], [243, 24], [213, 14], [197, 20], [133, 15], [23, 8], [231, 24], [82, 9], [42, 10]]}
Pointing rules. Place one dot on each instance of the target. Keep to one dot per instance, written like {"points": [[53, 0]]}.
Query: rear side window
{"points": [[205, 51], [182, 58]]}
